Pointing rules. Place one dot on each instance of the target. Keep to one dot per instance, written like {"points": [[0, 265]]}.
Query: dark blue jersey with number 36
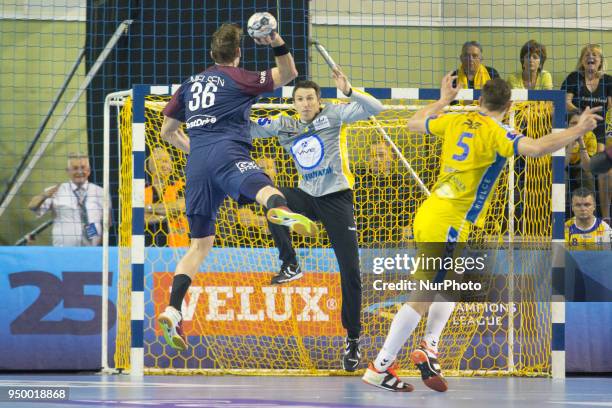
{"points": [[216, 104]]}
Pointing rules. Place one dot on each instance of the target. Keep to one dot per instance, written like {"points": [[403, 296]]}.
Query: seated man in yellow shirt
{"points": [[585, 230]]}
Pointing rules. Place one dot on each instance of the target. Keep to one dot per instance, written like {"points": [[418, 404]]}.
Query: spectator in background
{"points": [[578, 158], [472, 73], [382, 198], [76, 205], [532, 75], [166, 223], [585, 230], [590, 86]]}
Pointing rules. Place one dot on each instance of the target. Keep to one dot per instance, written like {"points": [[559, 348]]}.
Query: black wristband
{"points": [[350, 92], [280, 50]]}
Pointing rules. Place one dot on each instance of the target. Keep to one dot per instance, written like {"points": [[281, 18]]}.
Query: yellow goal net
{"points": [[236, 322]]}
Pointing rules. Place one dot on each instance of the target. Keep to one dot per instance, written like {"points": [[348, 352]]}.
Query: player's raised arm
{"points": [[555, 141], [448, 93], [362, 106], [285, 70]]}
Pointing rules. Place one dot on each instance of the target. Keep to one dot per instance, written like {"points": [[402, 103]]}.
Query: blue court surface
{"points": [[306, 392]]}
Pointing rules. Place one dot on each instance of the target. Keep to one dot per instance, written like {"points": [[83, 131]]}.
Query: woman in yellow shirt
{"points": [[532, 76]]}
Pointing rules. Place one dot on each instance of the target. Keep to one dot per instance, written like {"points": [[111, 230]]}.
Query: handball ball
{"points": [[261, 25]]}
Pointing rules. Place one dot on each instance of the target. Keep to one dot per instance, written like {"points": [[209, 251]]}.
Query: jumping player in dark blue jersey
{"points": [[215, 107]]}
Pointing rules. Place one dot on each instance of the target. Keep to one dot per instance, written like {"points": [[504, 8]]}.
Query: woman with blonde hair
{"points": [[590, 86]]}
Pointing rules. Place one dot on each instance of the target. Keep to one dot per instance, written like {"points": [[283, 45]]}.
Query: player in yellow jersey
{"points": [[474, 152], [584, 230]]}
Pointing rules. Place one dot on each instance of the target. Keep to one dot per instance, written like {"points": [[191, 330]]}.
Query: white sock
{"points": [[404, 323], [439, 313]]}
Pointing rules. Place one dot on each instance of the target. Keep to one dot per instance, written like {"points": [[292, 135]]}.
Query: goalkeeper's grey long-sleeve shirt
{"points": [[319, 148]]}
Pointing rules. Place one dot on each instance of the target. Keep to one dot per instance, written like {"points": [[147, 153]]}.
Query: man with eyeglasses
{"points": [[76, 205], [472, 74], [585, 230]]}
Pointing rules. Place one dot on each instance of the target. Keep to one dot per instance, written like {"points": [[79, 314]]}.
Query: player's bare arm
{"points": [[555, 141], [448, 93], [285, 70], [172, 132]]}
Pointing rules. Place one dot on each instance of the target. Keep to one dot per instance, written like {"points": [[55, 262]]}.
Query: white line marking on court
{"points": [[588, 403], [109, 384]]}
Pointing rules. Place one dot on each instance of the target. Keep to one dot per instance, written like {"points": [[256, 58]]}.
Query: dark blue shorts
{"points": [[215, 172]]}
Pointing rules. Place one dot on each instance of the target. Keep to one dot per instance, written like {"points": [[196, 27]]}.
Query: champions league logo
{"points": [[308, 151]]}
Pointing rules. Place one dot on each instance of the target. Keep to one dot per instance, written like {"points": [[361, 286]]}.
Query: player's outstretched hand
{"points": [[342, 82], [273, 39], [588, 119], [449, 88]]}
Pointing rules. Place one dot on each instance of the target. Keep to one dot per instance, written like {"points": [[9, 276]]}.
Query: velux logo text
{"points": [[228, 303]]}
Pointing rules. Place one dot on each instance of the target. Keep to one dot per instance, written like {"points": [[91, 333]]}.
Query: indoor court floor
{"points": [[306, 392]]}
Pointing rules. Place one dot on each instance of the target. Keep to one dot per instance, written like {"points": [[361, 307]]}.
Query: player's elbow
{"points": [[290, 75], [530, 148], [376, 107]]}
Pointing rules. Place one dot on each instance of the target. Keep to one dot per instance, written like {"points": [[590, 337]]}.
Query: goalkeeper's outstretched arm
{"points": [[362, 106]]}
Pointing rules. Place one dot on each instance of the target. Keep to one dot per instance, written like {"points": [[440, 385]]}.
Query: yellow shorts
{"points": [[438, 234], [435, 222]]}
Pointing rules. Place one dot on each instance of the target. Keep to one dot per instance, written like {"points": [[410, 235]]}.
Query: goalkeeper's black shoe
{"points": [[288, 273], [426, 361], [352, 355]]}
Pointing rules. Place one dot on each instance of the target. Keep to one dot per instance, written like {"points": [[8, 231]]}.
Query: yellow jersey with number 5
{"points": [[474, 152]]}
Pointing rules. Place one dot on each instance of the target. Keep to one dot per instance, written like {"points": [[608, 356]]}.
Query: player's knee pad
{"points": [[201, 226], [252, 184]]}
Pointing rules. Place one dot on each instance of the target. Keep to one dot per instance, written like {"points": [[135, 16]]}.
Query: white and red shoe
{"points": [[426, 361], [387, 380]]}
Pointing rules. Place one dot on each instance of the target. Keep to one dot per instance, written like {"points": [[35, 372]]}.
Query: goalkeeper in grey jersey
{"points": [[316, 138]]}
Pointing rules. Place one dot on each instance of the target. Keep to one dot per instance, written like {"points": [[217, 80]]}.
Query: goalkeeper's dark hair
{"points": [[583, 192], [496, 94], [307, 85], [225, 43]]}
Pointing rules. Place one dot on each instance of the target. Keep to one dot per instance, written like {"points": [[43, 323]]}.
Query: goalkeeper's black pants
{"points": [[335, 211]]}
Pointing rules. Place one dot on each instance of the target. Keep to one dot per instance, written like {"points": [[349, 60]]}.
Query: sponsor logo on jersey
{"points": [[264, 121], [308, 151], [317, 173], [244, 166], [322, 122], [262, 77], [200, 120]]}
